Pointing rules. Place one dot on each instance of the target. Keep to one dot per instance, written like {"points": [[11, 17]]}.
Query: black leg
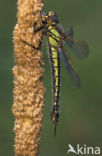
{"points": [[31, 45], [37, 29]]}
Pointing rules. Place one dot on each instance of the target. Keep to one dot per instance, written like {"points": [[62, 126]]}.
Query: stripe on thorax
{"points": [[54, 36]]}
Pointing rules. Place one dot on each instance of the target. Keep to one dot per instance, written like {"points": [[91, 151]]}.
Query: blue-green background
{"points": [[81, 110]]}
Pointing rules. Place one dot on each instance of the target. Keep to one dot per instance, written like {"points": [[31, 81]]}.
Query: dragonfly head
{"points": [[52, 18], [49, 18], [43, 17]]}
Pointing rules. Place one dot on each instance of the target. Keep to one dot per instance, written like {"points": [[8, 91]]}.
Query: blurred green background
{"points": [[81, 109]]}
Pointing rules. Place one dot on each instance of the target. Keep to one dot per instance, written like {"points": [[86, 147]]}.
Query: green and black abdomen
{"points": [[54, 40], [55, 63]]}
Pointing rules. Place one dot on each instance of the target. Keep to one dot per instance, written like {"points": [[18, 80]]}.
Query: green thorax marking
{"points": [[54, 36]]}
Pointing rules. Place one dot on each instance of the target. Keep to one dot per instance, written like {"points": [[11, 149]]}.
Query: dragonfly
{"points": [[56, 38]]}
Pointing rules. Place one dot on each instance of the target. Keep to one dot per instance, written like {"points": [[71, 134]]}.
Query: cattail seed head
{"points": [[28, 92]]}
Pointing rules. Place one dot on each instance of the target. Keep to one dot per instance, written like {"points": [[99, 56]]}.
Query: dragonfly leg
{"points": [[39, 46], [37, 29]]}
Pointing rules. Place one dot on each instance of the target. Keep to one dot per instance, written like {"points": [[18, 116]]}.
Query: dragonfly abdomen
{"points": [[54, 41], [55, 63]]}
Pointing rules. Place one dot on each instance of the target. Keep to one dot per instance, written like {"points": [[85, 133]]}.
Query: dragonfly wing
{"points": [[70, 31], [79, 47], [70, 68]]}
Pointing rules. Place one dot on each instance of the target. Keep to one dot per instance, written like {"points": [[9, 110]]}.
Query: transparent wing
{"points": [[70, 69], [79, 47]]}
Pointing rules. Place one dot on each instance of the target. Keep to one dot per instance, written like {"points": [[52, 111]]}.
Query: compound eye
{"points": [[44, 18], [51, 13]]}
